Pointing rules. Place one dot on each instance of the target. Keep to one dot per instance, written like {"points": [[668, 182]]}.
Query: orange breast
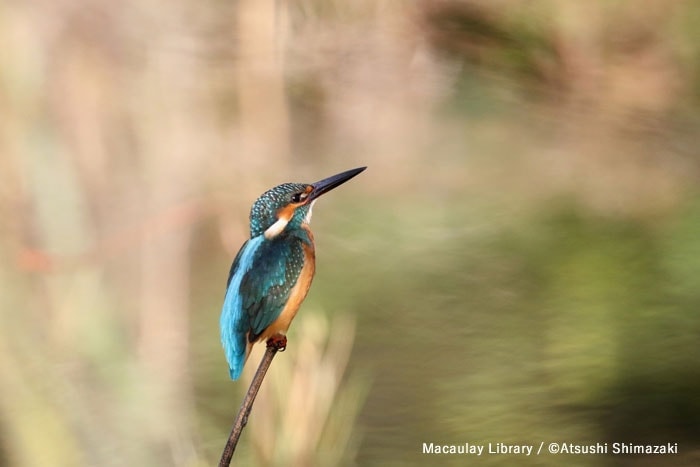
{"points": [[296, 295]]}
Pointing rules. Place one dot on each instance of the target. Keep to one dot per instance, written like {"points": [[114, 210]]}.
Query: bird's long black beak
{"points": [[327, 184]]}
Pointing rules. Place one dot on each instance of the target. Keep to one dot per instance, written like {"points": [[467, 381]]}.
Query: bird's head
{"points": [[289, 205]]}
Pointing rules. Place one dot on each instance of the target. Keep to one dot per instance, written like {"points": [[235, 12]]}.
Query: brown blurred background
{"points": [[520, 262]]}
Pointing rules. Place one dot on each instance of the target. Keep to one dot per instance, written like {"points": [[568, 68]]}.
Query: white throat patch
{"points": [[276, 228], [307, 218]]}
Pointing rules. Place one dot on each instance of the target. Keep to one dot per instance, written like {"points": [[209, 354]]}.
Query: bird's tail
{"points": [[238, 362]]}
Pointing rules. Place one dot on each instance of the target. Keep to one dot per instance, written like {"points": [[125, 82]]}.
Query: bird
{"points": [[272, 272]]}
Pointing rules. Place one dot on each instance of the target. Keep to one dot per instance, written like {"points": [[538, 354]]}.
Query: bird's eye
{"points": [[299, 197]]}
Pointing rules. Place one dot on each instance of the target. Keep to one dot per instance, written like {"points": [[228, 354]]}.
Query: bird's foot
{"points": [[278, 342]]}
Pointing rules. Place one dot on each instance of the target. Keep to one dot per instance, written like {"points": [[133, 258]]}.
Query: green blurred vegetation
{"points": [[520, 263]]}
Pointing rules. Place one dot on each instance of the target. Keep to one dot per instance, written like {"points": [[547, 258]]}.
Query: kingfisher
{"points": [[273, 270]]}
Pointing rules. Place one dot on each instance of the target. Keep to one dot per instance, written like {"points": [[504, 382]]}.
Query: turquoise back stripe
{"points": [[234, 323]]}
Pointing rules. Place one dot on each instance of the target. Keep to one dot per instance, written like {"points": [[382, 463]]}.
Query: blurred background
{"points": [[520, 263]]}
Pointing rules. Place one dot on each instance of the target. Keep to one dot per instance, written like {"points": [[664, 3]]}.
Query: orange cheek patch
{"points": [[286, 212]]}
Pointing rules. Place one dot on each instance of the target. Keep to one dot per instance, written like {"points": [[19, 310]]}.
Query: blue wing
{"points": [[266, 287], [260, 280]]}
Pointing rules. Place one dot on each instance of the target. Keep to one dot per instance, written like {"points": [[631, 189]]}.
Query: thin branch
{"points": [[274, 344]]}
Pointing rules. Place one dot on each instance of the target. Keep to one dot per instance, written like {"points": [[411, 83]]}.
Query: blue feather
{"points": [[265, 288], [260, 281], [234, 319]]}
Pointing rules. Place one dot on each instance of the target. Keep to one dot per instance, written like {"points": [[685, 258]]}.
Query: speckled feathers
{"points": [[265, 210], [266, 288]]}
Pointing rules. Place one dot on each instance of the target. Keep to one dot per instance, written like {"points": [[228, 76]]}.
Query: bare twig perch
{"points": [[274, 344]]}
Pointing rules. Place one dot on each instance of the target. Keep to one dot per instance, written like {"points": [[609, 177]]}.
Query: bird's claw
{"points": [[278, 342]]}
